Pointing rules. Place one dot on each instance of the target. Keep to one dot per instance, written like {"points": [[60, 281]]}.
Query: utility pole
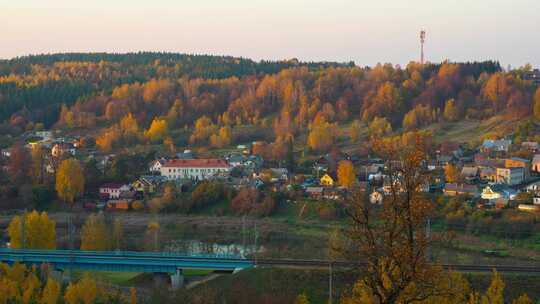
{"points": [[428, 235], [256, 238], [422, 40], [330, 287], [243, 235]]}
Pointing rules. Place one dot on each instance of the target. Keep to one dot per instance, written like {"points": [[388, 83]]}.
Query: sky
{"points": [[366, 32]]}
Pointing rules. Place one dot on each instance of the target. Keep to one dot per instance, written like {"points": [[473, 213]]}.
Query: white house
{"points": [[113, 190], [500, 145], [194, 169], [155, 165], [62, 148]]}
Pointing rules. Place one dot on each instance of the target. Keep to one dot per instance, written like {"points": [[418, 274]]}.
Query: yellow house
{"points": [[327, 180]]}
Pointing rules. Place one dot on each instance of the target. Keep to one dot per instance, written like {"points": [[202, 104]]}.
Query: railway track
{"points": [[311, 264]]}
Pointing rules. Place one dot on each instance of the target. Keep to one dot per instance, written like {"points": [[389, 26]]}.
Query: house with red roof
{"points": [[194, 169]]}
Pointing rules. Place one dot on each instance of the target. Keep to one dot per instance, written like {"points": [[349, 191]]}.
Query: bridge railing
{"points": [[148, 254]]}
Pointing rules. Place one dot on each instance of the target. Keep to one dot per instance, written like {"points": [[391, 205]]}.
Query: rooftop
{"points": [[196, 163]]}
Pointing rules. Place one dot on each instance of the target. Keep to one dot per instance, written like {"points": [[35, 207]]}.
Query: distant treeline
{"points": [[211, 94]]}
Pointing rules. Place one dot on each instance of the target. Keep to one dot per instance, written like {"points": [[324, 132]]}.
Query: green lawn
{"points": [[111, 277]]}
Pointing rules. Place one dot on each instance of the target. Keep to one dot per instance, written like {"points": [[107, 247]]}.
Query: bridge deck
{"points": [[123, 261]]}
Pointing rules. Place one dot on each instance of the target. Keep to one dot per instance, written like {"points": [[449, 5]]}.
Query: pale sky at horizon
{"points": [[366, 32]]}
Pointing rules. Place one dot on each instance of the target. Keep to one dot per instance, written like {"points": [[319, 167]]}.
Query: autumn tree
{"points": [[536, 104], [19, 164], [451, 111], [346, 174], [94, 234], [495, 292], [380, 126], [85, 291], [420, 116], [301, 299], [117, 234], [523, 299], [204, 128], [391, 239], [245, 200], [223, 138], [451, 172], [158, 130], [32, 230], [129, 128], [69, 180], [38, 164], [21, 284], [108, 138], [322, 135], [51, 292], [354, 130], [496, 90]]}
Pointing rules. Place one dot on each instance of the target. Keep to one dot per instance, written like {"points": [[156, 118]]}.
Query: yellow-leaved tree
{"points": [[85, 291], [322, 134], [302, 299], [495, 292], [70, 180], [94, 234], [355, 130], [345, 173], [38, 231], [51, 292], [223, 138], [157, 131], [451, 172]]}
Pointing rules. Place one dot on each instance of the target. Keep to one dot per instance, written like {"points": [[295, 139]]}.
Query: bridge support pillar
{"points": [[177, 279]]}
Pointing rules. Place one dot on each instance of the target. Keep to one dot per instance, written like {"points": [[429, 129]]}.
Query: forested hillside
{"points": [[161, 97]]}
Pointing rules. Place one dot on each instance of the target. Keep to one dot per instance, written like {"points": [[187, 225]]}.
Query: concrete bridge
{"points": [[161, 264]]}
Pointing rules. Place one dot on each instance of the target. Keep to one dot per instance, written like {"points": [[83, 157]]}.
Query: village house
{"points": [[498, 194], [186, 154], [62, 148], [488, 174], [470, 174], [499, 145], [370, 172], [194, 169], [533, 187], [155, 165], [113, 190], [530, 146], [516, 162], [453, 189], [510, 176], [147, 184], [118, 204], [248, 161]]}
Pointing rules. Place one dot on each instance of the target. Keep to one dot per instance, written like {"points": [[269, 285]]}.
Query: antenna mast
{"points": [[422, 40]]}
